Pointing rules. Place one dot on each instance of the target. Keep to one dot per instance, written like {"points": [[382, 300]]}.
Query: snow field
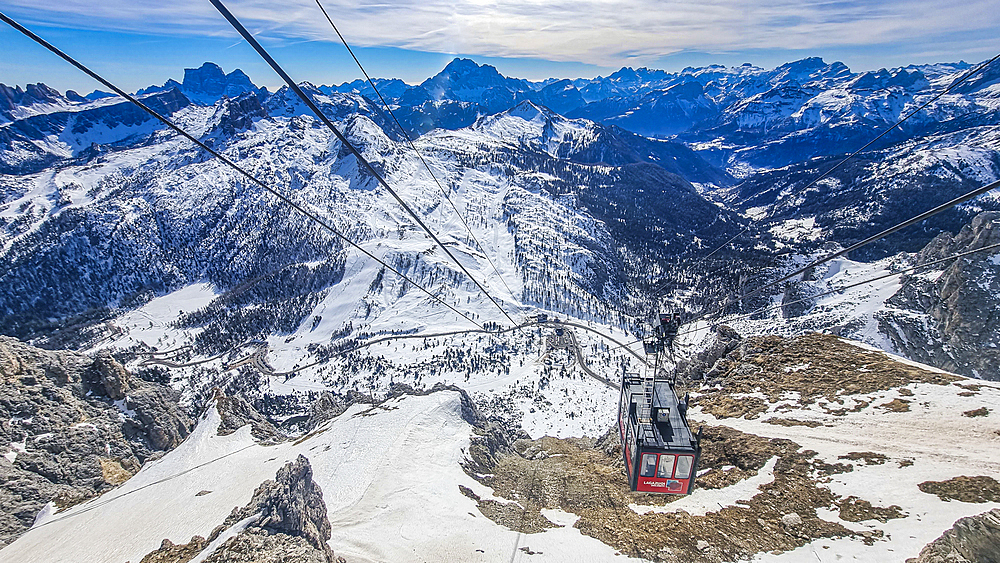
{"points": [[703, 501], [389, 474]]}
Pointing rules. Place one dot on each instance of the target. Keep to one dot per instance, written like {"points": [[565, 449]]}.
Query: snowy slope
{"points": [[390, 476], [388, 471]]}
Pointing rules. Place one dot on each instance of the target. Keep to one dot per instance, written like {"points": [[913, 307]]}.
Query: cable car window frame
{"points": [[684, 464], [647, 469], [662, 464]]}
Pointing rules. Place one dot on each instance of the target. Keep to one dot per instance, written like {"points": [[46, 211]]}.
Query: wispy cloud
{"points": [[600, 32]]}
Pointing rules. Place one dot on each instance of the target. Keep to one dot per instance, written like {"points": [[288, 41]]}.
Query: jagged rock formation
{"points": [[12, 98], [292, 504], [705, 363], [237, 413], [285, 521], [72, 427], [972, 539], [948, 318]]}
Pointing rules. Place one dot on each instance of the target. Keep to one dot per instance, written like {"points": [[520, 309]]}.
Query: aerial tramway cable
{"points": [[409, 141], [961, 80], [844, 288], [925, 215], [343, 139], [824, 294], [228, 162]]}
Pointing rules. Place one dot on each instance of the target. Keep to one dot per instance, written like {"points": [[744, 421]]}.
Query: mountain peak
{"points": [[624, 73], [528, 111], [13, 98], [208, 83], [459, 70], [812, 68], [209, 79], [460, 65]]}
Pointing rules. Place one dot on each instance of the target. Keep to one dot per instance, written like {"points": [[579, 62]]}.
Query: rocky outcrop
{"points": [[710, 360], [237, 413], [972, 539], [285, 521], [112, 376], [329, 406], [947, 317], [292, 504], [72, 427]]}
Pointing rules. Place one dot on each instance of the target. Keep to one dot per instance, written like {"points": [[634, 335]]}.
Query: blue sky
{"points": [[141, 42]]}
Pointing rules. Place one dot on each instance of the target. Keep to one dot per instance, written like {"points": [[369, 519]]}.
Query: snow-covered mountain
{"points": [[86, 181], [118, 237], [208, 84]]}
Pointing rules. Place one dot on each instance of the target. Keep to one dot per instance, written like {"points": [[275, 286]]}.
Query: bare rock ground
{"points": [[73, 427]]}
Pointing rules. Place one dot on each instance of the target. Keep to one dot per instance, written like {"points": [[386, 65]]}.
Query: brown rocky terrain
{"points": [[751, 381]]}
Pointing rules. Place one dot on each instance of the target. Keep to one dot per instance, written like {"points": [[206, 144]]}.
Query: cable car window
{"points": [[684, 463], [666, 467], [648, 465]]}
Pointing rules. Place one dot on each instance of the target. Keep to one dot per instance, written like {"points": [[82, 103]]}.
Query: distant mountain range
{"points": [[606, 193]]}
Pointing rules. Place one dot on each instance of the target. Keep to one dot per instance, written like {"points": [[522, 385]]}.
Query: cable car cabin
{"points": [[660, 456], [670, 323]]}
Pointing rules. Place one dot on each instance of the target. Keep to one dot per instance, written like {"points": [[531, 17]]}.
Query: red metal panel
{"points": [[669, 486]]}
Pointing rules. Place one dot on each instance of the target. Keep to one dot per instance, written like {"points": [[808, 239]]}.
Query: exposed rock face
{"points": [[327, 407], [950, 321], [112, 375], [288, 523], [973, 539], [237, 413], [292, 504], [72, 427], [261, 547], [706, 363]]}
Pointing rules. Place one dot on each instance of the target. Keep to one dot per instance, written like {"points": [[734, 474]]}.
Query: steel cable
{"points": [[417, 151], [343, 139], [225, 160]]}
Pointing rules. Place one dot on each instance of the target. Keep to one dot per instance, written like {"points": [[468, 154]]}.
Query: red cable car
{"points": [[660, 456], [660, 451]]}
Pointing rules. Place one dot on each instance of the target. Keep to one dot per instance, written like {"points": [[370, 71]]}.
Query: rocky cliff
{"points": [[73, 427], [948, 317], [976, 538]]}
